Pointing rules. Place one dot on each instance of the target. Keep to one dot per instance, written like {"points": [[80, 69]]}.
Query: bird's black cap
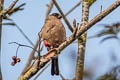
{"points": [[56, 15]]}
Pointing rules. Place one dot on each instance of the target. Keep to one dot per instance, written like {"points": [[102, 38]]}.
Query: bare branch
{"points": [[54, 52], [82, 42], [42, 71], [1, 8], [61, 12], [18, 27], [16, 9], [50, 6], [98, 18], [30, 57], [78, 4], [22, 45], [4, 12], [62, 77], [12, 23]]}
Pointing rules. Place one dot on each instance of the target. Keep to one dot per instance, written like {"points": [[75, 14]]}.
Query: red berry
{"points": [[14, 58], [46, 44], [18, 60], [13, 63]]}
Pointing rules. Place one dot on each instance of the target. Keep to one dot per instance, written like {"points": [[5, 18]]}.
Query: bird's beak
{"points": [[59, 17]]}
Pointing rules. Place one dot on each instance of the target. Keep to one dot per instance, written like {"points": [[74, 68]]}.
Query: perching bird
{"points": [[53, 34]]}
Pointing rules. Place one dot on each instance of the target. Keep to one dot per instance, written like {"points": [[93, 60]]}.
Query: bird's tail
{"points": [[55, 67]]}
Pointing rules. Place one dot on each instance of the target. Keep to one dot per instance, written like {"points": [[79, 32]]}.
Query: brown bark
{"points": [[1, 8], [82, 42]]}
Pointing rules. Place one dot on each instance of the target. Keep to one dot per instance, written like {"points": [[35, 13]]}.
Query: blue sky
{"points": [[31, 21]]}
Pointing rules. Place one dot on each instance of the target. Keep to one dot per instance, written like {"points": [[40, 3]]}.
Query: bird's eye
{"points": [[56, 14]]}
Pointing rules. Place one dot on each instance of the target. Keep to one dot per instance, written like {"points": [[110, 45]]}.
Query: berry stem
{"points": [[17, 50]]}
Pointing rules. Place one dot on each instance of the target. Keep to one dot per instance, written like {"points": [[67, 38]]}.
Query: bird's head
{"points": [[57, 15]]}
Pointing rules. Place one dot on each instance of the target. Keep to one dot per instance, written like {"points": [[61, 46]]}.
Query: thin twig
{"points": [[42, 71], [62, 76], [101, 7], [4, 12], [61, 12], [16, 9], [39, 48], [17, 50], [98, 18], [78, 4], [23, 33], [1, 8], [50, 6], [23, 45], [30, 57]]}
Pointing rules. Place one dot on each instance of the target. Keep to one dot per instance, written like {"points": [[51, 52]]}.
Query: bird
{"points": [[53, 34]]}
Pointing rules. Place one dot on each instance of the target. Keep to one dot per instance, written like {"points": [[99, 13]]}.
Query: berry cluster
{"points": [[15, 60]]}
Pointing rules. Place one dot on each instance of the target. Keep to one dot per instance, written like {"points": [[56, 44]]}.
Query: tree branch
{"points": [[61, 12], [30, 58], [4, 12], [50, 6], [98, 18], [82, 42], [78, 4], [46, 58], [1, 8], [41, 71]]}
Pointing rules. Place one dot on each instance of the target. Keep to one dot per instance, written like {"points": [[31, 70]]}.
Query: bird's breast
{"points": [[54, 32]]}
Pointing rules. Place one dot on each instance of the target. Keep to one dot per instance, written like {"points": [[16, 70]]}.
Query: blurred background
{"points": [[99, 59]]}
